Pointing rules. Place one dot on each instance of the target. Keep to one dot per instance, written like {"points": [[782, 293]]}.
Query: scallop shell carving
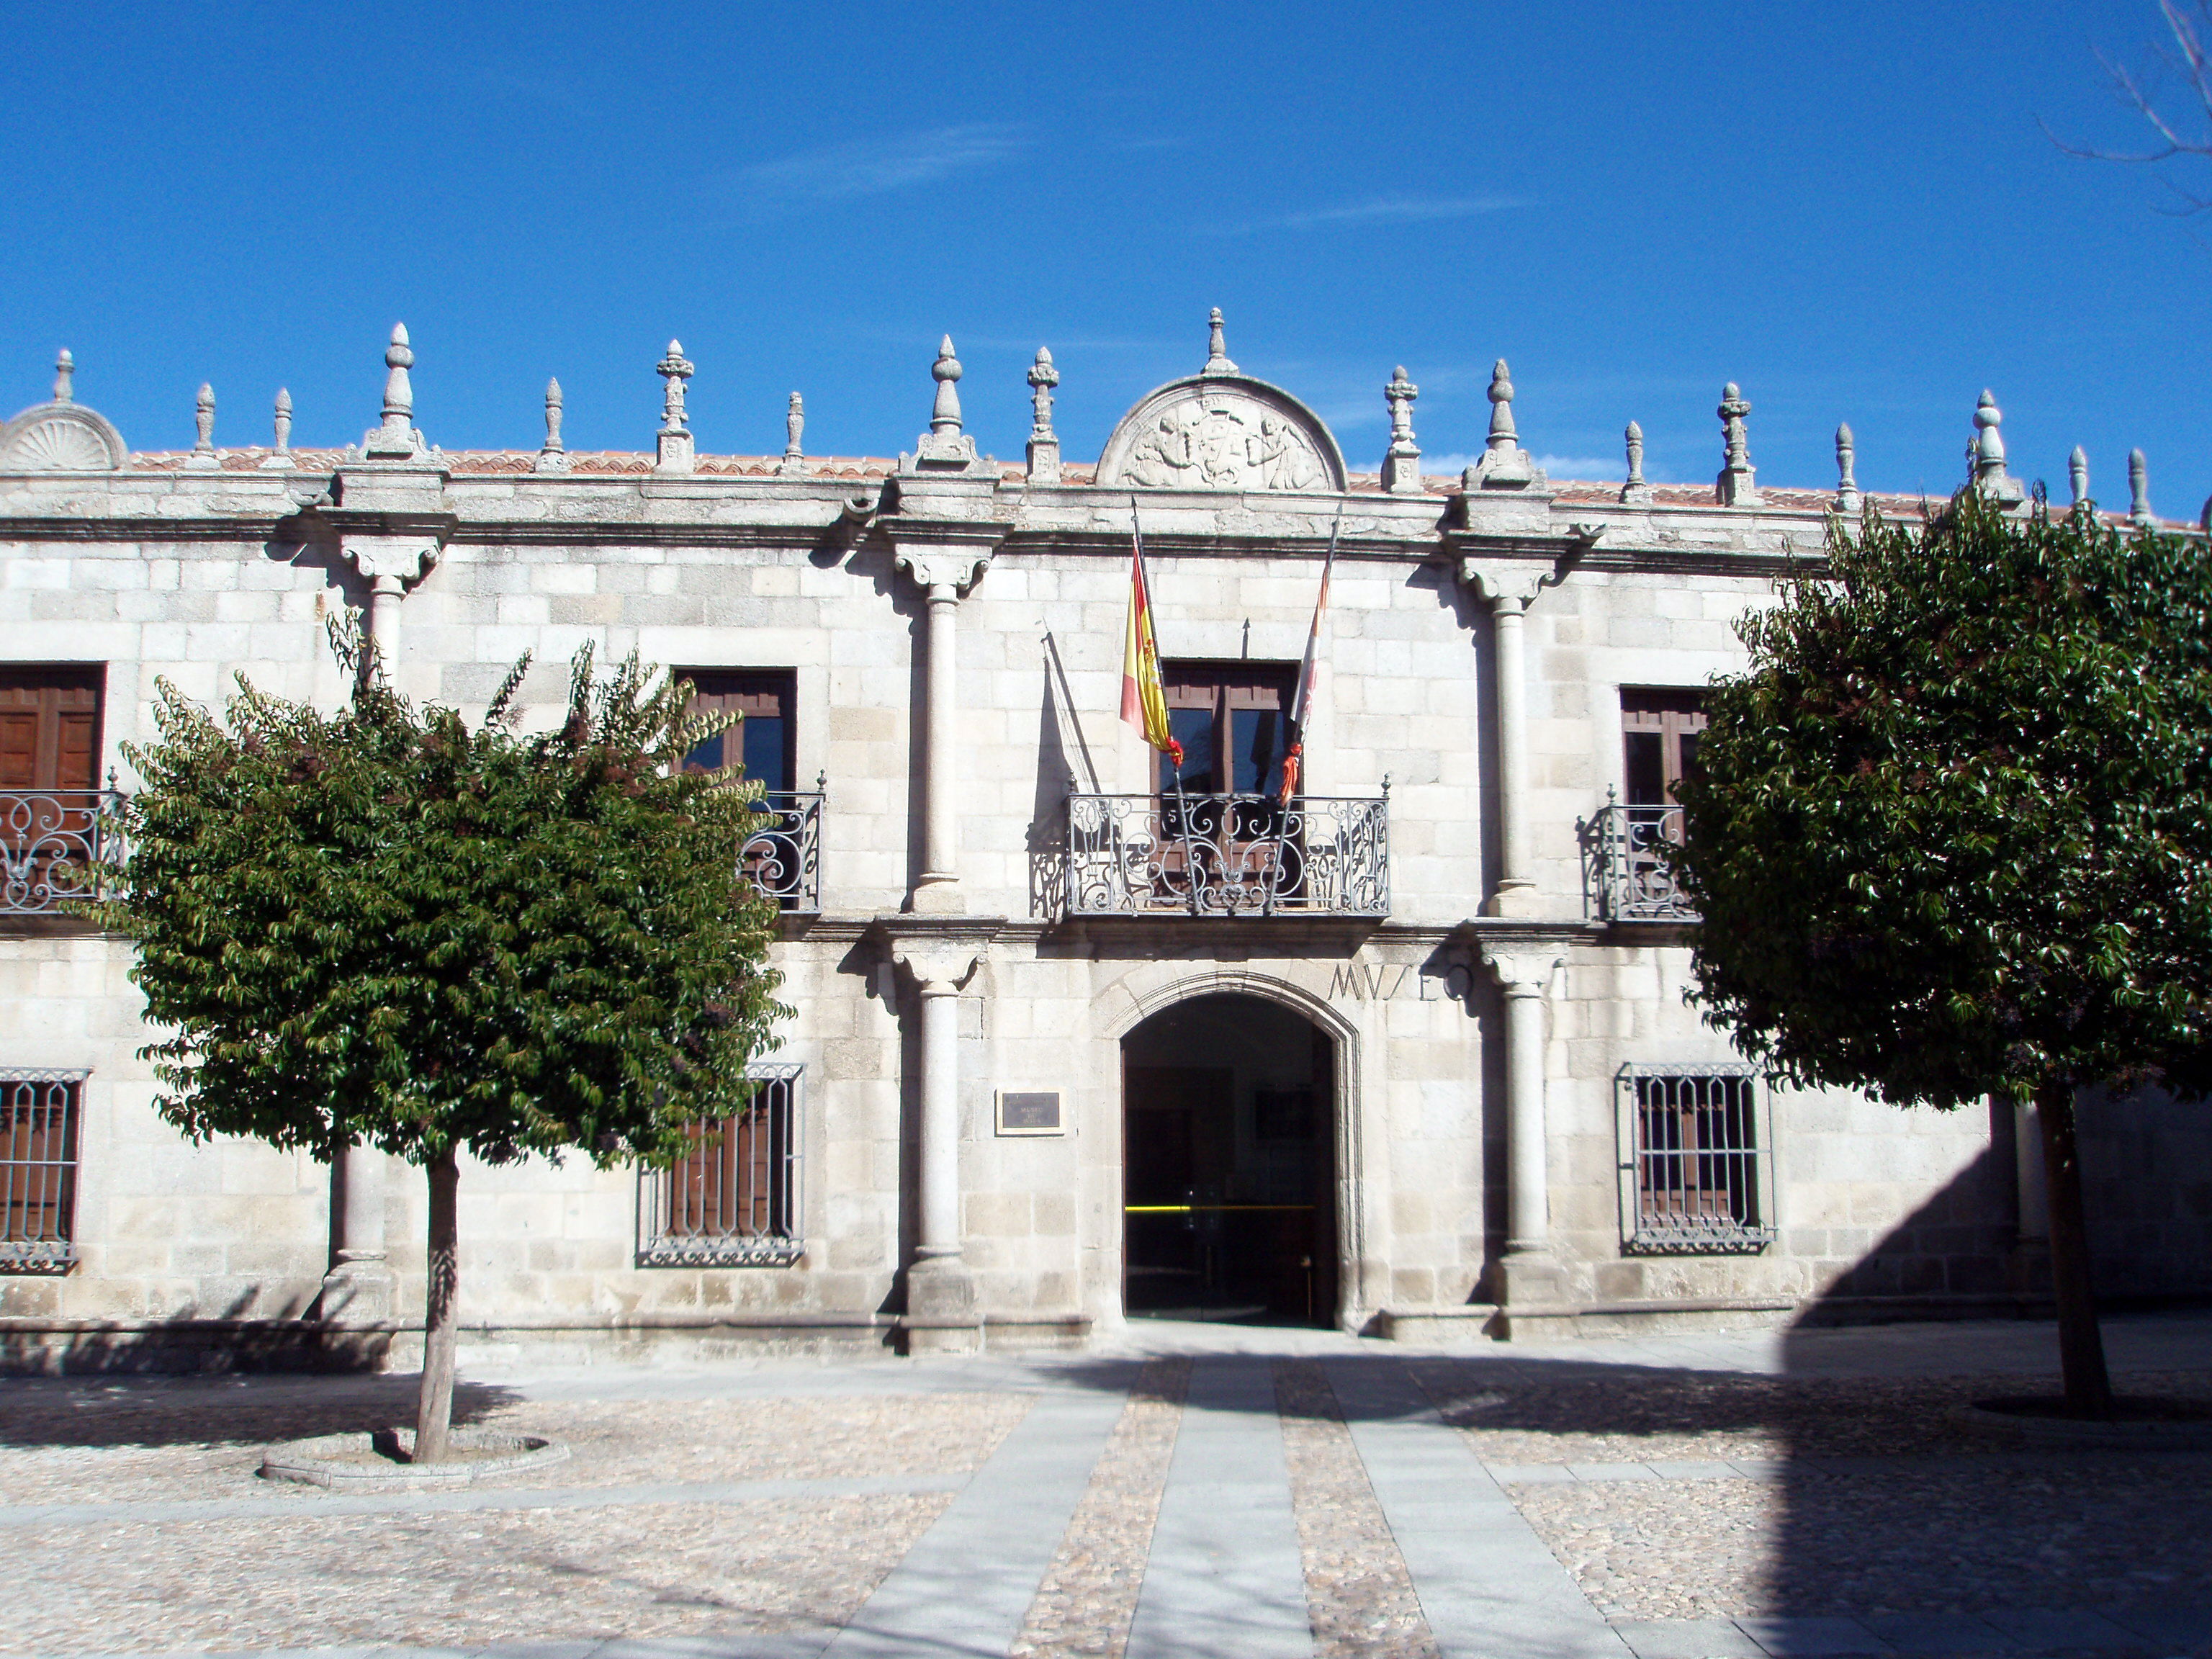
{"points": [[58, 440]]}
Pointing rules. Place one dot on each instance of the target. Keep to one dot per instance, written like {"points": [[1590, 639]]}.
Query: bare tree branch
{"points": [[2188, 137]]}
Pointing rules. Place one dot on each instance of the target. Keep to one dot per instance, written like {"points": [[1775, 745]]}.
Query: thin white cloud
{"points": [[1381, 211], [872, 166]]}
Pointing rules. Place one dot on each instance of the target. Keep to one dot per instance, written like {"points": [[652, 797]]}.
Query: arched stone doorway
{"points": [[1228, 1165]]}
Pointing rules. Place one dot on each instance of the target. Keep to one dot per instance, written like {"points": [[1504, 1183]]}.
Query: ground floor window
{"points": [[731, 1200], [1693, 1172], [38, 1170]]}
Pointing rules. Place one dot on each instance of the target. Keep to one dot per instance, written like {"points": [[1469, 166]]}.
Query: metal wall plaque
{"points": [[1029, 1113]]}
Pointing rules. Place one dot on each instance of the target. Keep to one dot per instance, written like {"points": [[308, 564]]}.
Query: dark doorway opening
{"points": [[1228, 1165]]}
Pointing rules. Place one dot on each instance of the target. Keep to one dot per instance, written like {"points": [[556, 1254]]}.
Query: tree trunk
{"points": [[2080, 1343], [434, 1410]]}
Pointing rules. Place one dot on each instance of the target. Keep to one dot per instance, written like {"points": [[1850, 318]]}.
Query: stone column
{"points": [[1511, 589], [940, 1289], [360, 1284], [1530, 1272], [942, 573]]}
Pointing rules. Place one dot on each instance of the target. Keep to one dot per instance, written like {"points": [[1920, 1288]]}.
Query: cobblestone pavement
{"points": [[1717, 1495], [1089, 1592]]}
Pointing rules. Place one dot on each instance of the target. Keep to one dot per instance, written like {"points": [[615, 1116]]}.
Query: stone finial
{"points": [[552, 455], [1041, 377], [674, 439], [2139, 511], [397, 436], [1737, 485], [1502, 432], [1636, 490], [945, 413], [795, 430], [1503, 464], [1991, 477], [2077, 474], [65, 377], [280, 458], [1848, 500], [1044, 443], [674, 369], [202, 454], [944, 447], [1217, 347], [1401, 465]]}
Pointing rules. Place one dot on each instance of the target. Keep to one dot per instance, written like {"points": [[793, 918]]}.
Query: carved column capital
{"points": [[1508, 585], [934, 565], [937, 968]]}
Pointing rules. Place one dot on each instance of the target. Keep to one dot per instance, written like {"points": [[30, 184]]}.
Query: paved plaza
{"points": [[1188, 1491]]}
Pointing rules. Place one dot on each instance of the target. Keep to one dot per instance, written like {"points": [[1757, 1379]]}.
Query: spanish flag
{"points": [[1144, 700]]}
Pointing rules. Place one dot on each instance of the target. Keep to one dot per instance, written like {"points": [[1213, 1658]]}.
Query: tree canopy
{"points": [[382, 927], [1951, 835]]}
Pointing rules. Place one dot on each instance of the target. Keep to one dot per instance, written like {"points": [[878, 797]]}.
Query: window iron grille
{"points": [[731, 1200], [1625, 864], [783, 856], [1696, 1176], [58, 844], [39, 1129]]}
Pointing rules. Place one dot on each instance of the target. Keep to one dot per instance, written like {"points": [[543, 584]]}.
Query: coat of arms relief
{"points": [[1222, 442]]}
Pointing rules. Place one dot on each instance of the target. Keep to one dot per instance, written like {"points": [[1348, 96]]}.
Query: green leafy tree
{"points": [[380, 926], [1953, 833]]}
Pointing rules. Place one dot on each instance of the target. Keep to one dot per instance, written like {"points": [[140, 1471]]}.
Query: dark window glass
{"points": [[1659, 737], [762, 741], [1232, 722]]}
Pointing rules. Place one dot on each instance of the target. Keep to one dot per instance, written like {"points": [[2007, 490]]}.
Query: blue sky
{"points": [[1850, 210]]}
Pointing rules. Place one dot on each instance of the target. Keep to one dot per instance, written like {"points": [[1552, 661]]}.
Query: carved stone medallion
{"points": [[1213, 433]]}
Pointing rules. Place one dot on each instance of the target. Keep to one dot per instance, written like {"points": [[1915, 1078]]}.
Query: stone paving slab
{"points": [[1224, 1575], [967, 1586], [1487, 1583], [1687, 1638]]}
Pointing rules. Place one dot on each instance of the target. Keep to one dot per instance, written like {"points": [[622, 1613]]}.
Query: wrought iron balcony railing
{"points": [[783, 857], [1631, 877], [1228, 855], [56, 845]]}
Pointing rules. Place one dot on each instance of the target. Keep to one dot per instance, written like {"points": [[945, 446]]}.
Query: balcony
{"points": [[1625, 864], [1227, 856], [56, 845], [783, 857]]}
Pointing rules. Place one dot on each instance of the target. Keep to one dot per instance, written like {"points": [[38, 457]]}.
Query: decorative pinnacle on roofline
{"points": [[2077, 474], [944, 412], [280, 420], [2139, 512], [552, 456], [1217, 347], [1848, 500], [1044, 442], [1634, 490], [64, 376], [1738, 483], [397, 437], [794, 429], [1401, 465]]}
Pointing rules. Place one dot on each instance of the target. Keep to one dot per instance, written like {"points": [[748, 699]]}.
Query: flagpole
{"points": [[1175, 756], [1302, 698]]}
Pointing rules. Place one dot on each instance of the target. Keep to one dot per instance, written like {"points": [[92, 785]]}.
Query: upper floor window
{"points": [[1233, 720], [1659, 731], [49, 725], [763, 742]]}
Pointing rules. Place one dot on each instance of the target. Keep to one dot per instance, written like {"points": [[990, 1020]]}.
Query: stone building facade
{"points": [[1073, 1038]]}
